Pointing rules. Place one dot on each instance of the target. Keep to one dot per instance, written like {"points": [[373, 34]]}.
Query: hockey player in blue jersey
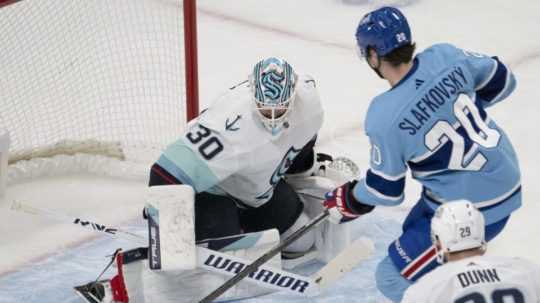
{"points": [[432, 120]]}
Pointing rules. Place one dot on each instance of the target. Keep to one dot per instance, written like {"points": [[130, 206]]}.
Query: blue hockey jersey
{"points": [[434, 122]]}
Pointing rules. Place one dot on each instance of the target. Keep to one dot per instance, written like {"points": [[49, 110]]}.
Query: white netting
{"points": [[104, 70]]}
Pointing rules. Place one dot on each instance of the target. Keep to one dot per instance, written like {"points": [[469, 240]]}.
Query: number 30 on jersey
{"points": [[209, 145]]}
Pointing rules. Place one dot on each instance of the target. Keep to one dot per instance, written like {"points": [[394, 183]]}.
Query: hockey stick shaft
{"points": [[360, 250], [97, 227], [264, 258]]}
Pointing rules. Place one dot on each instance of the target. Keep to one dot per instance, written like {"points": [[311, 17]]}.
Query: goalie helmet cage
{"points": [[113, 78]]}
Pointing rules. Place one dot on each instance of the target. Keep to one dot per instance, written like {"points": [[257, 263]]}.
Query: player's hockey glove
{"points": [[342, 205]]}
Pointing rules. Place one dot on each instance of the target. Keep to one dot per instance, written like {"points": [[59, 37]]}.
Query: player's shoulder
{"points": [[307, 104], [441, 274], [442, 55], [307, 82], [441, 49], [228, 110], [382, 111], [436, 281], [512, 262], [439, 281], [307, 91], [231, 119]]}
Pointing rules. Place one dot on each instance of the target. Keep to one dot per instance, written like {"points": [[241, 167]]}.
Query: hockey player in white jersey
{"points": [[467, 276], [236, 153], [246, 156]]}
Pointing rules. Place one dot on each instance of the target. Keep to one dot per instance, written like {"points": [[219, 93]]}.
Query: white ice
{"points": [[40, 259]]}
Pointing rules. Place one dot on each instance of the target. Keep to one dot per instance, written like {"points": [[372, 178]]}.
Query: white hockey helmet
{"points": [[273, 83], [457, 225]]}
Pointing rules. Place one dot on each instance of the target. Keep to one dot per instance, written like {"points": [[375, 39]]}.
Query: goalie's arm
{"points": [[180, 164], [201, 158], [384, 181]]}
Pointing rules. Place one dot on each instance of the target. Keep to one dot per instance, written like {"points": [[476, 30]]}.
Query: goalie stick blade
{"points": [[360, 250], [89, 294], [264, 275]]}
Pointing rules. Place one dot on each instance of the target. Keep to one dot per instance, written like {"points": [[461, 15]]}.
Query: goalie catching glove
{"points": [[343, 206]]}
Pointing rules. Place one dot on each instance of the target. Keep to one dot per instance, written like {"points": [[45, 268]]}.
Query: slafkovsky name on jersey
{"points": [[433, 99]]}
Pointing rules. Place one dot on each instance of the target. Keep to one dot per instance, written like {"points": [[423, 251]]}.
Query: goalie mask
{"points": [[457, 226], [272, 84]]}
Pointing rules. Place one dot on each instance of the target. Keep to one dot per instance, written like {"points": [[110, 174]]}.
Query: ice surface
{"points": [[40, 259]]}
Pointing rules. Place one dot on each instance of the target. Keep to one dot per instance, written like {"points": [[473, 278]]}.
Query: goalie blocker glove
{"points": [[343, 206]]}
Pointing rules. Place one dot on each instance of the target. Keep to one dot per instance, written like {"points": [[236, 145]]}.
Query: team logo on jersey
{"points": [[230, 126], [284, 165], [418, 83], [280, 171]]}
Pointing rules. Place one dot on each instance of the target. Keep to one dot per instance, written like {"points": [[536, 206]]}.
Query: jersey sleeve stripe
{"points": [[508, 87], [387, 176], [497, 83], [182, 163], [164, 175], [171, 169], [384, 197], [370, 196], [481, 205], [386, 187], [482, 84]]}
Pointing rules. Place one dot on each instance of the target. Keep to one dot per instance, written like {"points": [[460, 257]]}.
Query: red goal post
{"points": [[114, 78]]}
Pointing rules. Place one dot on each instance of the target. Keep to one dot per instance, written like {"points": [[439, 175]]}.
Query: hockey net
{"points": [[94, 85]]}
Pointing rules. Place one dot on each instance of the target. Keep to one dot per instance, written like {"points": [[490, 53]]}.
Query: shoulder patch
{"points": [[231, 124]]}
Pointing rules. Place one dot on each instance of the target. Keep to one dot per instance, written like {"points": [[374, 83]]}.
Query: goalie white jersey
{"points": [[479, 279], [228, 151]]}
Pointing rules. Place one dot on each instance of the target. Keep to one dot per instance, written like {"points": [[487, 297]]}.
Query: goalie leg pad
{"points": [[171, 212], [215, 216], [304, 243], [330, 239], [326, 175]]}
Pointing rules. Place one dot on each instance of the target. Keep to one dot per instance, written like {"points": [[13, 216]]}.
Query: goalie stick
{"points": [[207, 259], [111, 231], [360, 250], [266, 276]]}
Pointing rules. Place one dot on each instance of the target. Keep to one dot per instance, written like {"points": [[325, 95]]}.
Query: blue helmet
{"points": [[384, 30]]}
